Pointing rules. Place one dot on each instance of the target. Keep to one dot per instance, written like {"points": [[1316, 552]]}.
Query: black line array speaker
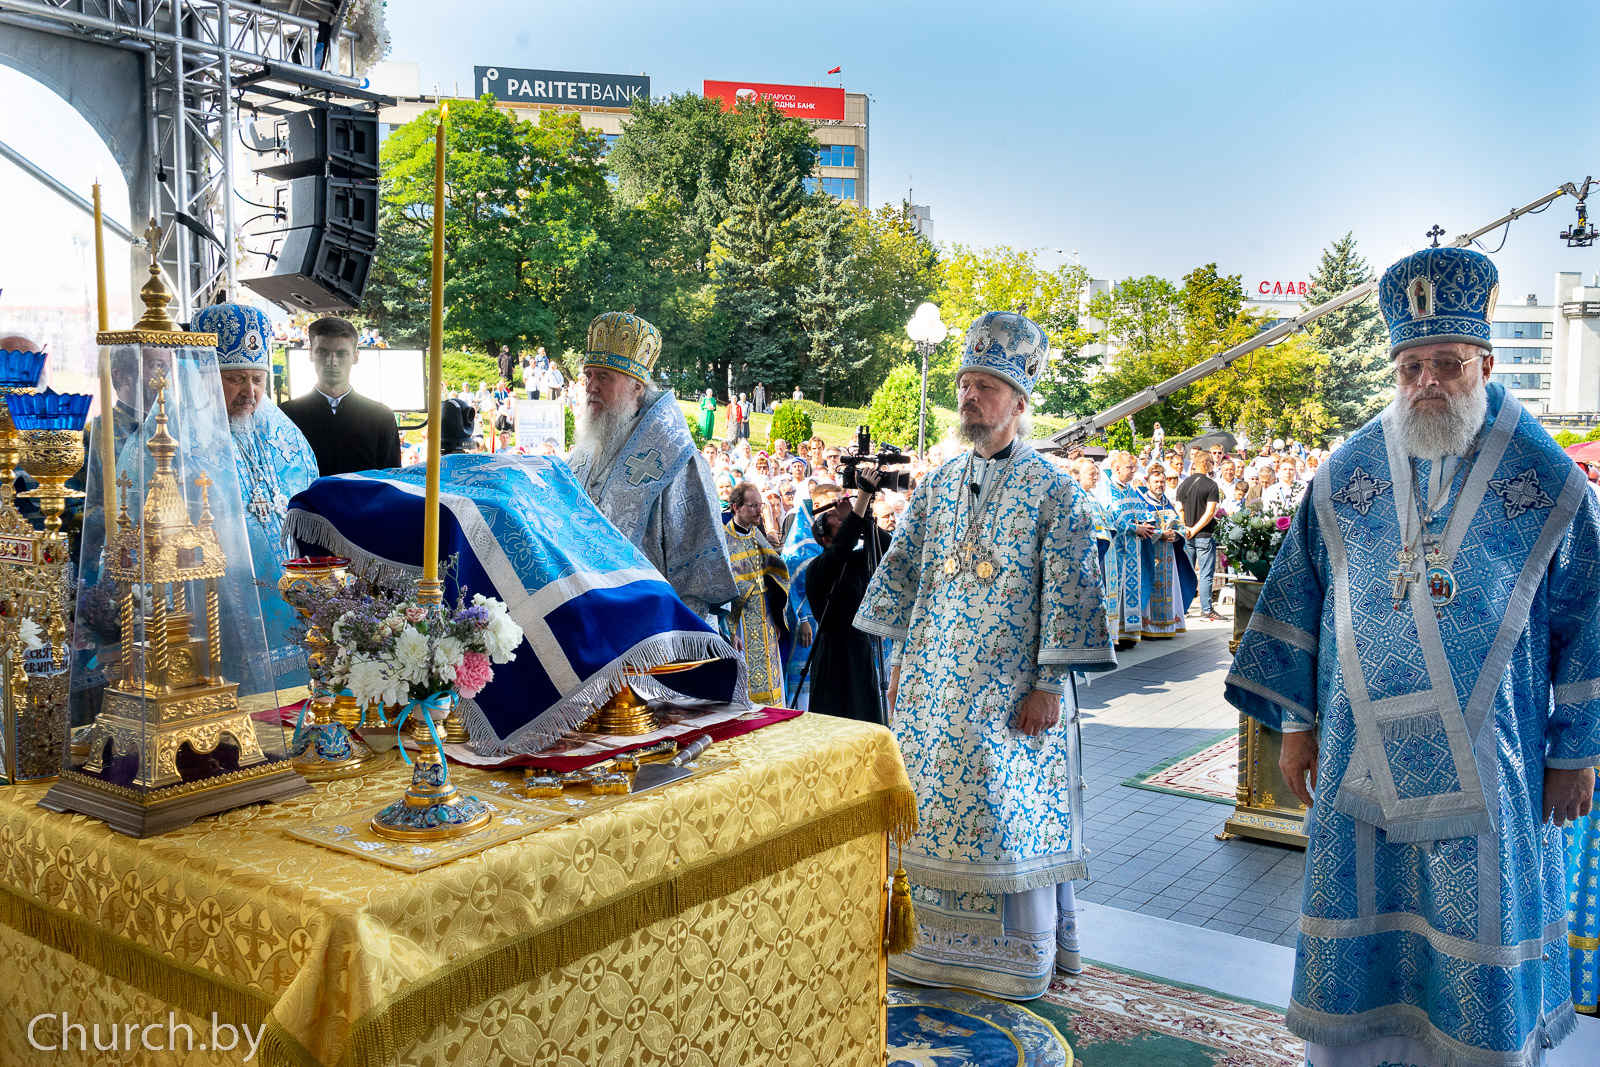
{"points": [[321, 245], [314, 270], [347, 208], [319, 140]]}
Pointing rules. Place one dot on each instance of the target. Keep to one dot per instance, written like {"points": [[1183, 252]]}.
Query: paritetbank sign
{"points": [[568, 87]]}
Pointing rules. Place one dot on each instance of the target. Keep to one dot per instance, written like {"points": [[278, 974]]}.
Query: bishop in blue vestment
{"points": [[636, 460], [273, 460], [991, 593], [1428, 643]]}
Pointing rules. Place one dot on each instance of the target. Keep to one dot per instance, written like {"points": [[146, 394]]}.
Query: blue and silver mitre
{"points": [[1439, 295], [623, 342], [244, 335], [1006, 345]]}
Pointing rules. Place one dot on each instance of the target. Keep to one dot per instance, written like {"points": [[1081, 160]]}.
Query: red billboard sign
{"points": [[801, 101]]}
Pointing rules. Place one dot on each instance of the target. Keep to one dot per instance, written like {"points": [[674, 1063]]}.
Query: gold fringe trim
{"points": [[408, 1016], [190, 989], [1583, 944]]}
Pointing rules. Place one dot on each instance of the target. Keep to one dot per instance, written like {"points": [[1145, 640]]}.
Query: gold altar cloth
{"points": [[731, 919]]}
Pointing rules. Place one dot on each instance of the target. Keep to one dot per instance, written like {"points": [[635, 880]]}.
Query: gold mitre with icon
{"points": [[623, 342]]}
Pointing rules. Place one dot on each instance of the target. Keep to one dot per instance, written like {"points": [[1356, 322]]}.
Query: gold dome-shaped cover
{"points": [[156, 326], [166, 545]]}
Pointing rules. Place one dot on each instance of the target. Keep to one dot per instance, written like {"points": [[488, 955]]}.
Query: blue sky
{"points": [[1149, 136]]}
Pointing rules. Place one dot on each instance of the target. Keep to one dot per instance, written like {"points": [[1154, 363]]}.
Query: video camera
{"points": [[897, 480]]}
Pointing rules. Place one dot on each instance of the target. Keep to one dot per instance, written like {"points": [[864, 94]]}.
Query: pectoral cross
{"points": [[1403, 575], [260, 504], [645, 467]]}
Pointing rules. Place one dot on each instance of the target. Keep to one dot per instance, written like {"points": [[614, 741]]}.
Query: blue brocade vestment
{"points": [[1001, 813], [1435, 899], [274, 463], [1126, 507], [657, 490], [1583, 902]]}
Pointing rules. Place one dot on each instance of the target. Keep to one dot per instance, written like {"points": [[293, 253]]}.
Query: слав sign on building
{"points": [[801, 101]]}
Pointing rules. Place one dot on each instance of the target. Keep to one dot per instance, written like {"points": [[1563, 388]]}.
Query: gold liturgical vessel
{"points": [[171, 738], [325, 746]]}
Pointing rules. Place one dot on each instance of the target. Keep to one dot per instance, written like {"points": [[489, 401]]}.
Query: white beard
{"points": [[594, 435], [1447, 433]]}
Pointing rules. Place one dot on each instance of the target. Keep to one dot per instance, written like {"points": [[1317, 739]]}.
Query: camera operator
{"points": [[844, 674]]}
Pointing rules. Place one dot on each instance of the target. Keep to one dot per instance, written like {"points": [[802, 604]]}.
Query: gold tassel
{"points": [[902, 931]]}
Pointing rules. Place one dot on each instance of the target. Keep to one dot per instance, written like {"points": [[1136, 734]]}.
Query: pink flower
{"points": [[473, 674], [415, 614], [1283, 522]]}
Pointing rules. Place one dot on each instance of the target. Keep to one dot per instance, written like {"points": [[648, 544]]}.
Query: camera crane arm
{"points": [[1085, 428]]}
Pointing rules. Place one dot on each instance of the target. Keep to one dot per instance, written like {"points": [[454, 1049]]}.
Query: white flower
{"points": [[368, 682], [501, 638], [447, 656], [411, 655], [31, 635]]}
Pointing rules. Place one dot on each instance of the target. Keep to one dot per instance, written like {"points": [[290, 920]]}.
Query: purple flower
{"points": [[1283, 522]]}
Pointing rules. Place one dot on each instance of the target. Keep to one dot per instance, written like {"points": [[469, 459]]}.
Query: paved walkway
{"points": [[1157, 854]]}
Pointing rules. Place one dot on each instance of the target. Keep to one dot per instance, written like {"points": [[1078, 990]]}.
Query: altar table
{"points": [[730, 919]]}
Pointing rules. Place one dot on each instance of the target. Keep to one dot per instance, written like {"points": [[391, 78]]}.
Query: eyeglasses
{"points": [[1443, 368]]}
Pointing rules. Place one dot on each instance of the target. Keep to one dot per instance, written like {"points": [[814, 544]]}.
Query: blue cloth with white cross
{"points": [[591, 607]]}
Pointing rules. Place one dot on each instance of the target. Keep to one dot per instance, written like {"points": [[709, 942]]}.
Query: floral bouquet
{"points": [[390, 649], [1250, 539], [395, 650]]}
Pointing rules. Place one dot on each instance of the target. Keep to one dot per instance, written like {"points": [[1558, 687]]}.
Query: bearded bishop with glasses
{"points": [[1428, 644]]}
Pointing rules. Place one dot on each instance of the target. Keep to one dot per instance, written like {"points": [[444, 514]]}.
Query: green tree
{"points": [[973, 281], [892, 415], [754, 256], [681, 151], [791, 422], [1161, 329], [1119, 436], [1356, 374], [528, 228], [896, 268], [829, 303]]}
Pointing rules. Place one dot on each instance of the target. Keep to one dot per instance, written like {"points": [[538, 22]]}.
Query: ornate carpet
{"points": [[958, 1028], [1122, 1019], [1210, 772]]}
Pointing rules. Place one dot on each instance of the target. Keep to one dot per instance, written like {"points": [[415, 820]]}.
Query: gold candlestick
{"points": [[429, 590], [324, 748]]}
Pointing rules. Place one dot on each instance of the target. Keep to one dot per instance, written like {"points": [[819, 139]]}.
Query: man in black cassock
{"points": [[347, 431], [844, 672]]}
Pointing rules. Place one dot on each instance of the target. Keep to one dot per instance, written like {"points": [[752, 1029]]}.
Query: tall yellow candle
{"points": [[103, 434], [429, 590]]}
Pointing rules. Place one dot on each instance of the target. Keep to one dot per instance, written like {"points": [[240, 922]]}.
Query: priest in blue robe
{"points": [[634, 457], [993, 600], [1131, 526], [1428, 644], [273, 460]]}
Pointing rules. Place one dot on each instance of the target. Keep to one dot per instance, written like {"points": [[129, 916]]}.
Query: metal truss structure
{"points": [[204, 60]]}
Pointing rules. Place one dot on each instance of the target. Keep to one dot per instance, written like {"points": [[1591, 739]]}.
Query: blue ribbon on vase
{"points": [[445, 698]]}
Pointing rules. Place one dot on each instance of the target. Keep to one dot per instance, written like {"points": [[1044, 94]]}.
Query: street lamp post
{"points": [[927, 331]]}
